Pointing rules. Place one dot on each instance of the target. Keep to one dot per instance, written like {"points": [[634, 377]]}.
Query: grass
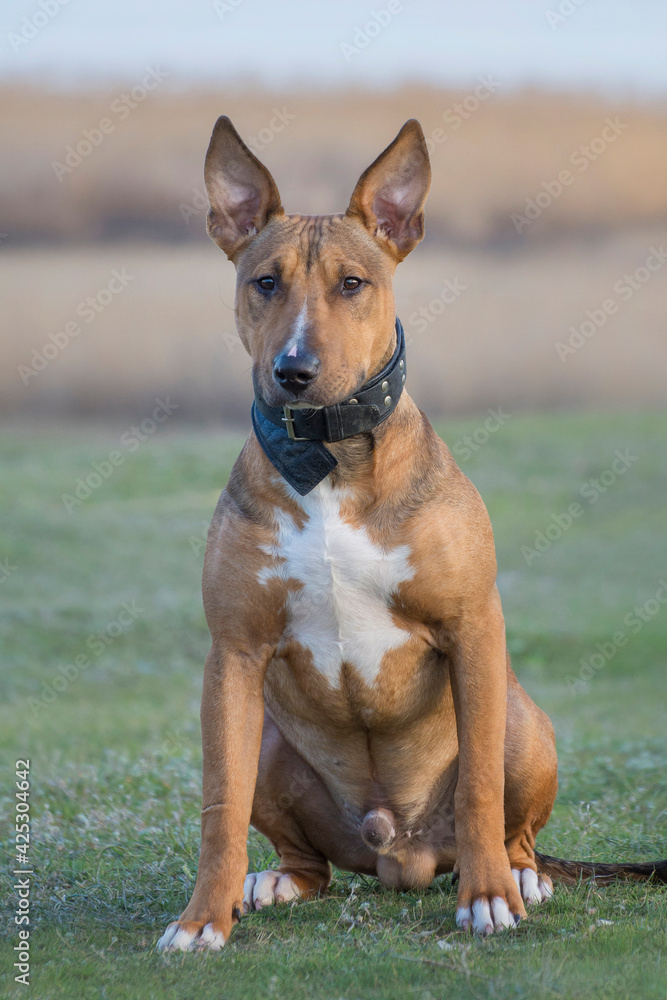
{"points": [[115, 754]]}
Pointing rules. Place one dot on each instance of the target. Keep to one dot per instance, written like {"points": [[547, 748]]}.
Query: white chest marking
{"points": [[341, 613]]}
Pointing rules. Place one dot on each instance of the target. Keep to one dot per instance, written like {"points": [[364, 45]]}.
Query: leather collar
{"points": [[292, 439]]}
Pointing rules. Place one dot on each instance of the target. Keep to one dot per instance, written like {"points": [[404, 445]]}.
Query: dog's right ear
{"points": [[242, 193], [390, 194]]}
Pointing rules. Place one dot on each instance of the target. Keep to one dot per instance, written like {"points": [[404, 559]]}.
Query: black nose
{"points": [[295, 373]]}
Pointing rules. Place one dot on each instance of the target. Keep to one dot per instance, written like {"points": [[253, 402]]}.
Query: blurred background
{"points": [[540, 283], [535, 316]]}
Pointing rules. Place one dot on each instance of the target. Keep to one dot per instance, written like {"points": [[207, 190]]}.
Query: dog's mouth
{"points": [[279, 397], [316, 399], [302, 404]]}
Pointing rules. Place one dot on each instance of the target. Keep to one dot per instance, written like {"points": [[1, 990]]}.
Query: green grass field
{"points": [[113, 736]]}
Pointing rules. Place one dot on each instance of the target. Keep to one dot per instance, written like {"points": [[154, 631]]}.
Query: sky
{"points": [[610, 46]]}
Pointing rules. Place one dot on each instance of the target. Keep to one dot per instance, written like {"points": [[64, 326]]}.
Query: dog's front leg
{"points": [[231, 717], [488, 898]]}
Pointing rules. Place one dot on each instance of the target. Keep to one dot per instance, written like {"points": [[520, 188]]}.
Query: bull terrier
{"points": [[358, 705]]}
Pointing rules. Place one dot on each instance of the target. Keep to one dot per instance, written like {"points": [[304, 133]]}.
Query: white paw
{"points": [[484, 917], [266, 888], [177, 938], [533, 888]]}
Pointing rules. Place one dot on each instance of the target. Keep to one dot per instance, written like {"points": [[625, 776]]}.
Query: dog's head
{"points": [[314, 298]]}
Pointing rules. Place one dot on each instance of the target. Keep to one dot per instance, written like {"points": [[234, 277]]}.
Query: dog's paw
{"points": [[488, 905], [190, 935], [534, 888], [486, 916], [266, 888]]}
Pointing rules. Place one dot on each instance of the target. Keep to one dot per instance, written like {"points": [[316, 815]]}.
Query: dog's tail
{"points": [[572, 872]]}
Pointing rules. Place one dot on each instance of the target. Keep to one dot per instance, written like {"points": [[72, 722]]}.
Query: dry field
{"points": [[490, 153], [485, 304], [171, 329]]}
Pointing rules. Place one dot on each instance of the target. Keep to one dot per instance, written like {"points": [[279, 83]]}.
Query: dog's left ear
{"points": [[389, 196], [241, 191]]}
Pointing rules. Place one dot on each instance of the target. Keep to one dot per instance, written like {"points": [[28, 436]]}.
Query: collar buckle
{"points": [[288, 419]]}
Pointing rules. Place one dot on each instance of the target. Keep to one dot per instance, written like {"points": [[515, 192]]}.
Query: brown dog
{"points": [[359, 706]]}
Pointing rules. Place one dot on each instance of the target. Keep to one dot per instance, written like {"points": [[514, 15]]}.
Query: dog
{"points": [[358, 704]]}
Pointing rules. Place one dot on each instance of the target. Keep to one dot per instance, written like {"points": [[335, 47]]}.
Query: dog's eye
{"points": [[267, 283], [351, 283]]}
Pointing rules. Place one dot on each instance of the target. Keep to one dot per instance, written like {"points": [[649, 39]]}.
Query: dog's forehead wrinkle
{"points": [[301, 242], [318, 247], [273, 255]]}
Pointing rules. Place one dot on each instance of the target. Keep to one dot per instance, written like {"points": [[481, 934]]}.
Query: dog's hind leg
{"points": [[293, 809], [531, 781]]}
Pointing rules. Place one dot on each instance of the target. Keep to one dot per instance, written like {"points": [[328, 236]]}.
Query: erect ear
{"points": [[389, 196], [241, 191]]}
